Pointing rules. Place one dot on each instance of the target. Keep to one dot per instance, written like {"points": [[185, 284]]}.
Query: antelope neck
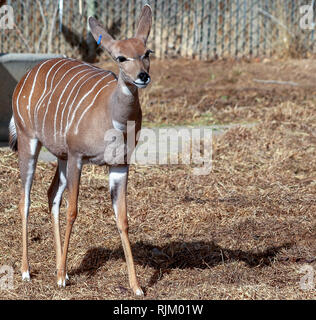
{"points": [[125, 106]]}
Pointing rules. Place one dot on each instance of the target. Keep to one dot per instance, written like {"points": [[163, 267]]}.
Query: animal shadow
{"points": [[177, 255]]}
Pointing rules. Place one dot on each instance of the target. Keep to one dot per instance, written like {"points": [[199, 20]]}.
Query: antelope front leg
{"points": [[74, 166], [118, 186]]}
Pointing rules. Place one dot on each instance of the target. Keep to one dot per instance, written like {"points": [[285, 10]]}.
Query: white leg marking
{"points": [[79, 164], [17, 100], [62, 165], [70, 107], [61, 283], [139, 292], [91, 104], [29, 177], [117, 176], [26, 276], [33, 146]]}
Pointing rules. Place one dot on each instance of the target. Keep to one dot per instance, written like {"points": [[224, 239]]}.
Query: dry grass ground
{"points": [[241, 232]]}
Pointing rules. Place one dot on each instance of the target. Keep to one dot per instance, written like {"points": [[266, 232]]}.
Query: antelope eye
{"points": [[121, 59]]}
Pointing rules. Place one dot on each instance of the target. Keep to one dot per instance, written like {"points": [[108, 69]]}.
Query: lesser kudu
{"points": [[67, 106]]}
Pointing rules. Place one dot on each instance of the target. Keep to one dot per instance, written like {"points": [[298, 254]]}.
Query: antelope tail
{"points": [[13, 138]]}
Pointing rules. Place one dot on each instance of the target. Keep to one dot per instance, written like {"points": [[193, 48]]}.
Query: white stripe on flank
{"points": [[17, 100], [50, 98], [59, 100], [33, 86], [72, 90], [91, 104], [70, 107], [40, 100], [62, 78], [59, 82], [51, 87]]}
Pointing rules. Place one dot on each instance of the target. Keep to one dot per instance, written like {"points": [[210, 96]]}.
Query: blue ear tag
{"points": [[99, 40]]}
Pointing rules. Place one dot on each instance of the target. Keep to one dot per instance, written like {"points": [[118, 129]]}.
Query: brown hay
{"points": [[241, 232]]}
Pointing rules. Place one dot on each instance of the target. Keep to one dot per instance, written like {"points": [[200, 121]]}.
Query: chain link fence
{"points": [[203, 29]]}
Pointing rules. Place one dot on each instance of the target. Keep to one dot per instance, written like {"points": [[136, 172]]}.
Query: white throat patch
{"points": [[119, 126], [126, 90]]}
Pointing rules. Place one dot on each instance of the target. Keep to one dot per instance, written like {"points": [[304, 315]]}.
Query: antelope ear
{"points": [[100, 35], [144, 24]]}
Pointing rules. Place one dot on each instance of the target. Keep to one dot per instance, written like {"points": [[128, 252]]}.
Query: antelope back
{"points": [[55, 99]]}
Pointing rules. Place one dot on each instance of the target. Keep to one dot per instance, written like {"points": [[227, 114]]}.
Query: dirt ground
{"points": [[242, 232]]}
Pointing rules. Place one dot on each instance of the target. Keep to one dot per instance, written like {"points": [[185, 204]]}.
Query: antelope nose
{"points": [[144, 76]]}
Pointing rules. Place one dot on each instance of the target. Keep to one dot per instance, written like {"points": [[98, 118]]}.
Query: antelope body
{"points": [[67, 106]]}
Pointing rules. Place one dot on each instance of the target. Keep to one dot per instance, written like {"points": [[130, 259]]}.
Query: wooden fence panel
{"points": [[201, 29]]}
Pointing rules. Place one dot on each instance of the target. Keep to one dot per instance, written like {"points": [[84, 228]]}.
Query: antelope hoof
{"points": [[61, 283], [26, 276], [62, 278], [138, 292]]}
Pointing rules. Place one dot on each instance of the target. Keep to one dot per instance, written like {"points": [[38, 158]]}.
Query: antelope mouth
{"points": [[140, 84]]}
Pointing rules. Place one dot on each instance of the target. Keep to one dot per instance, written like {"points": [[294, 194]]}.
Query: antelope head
{"points": [[131, 55]]}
